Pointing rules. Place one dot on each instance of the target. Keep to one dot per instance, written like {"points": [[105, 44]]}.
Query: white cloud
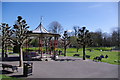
{"points": [[69, 30]]}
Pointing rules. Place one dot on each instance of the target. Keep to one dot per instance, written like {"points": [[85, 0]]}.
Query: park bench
{"points": [[9, 66], [76, 55]]}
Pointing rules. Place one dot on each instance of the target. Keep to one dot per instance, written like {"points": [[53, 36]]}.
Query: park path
{"points": [[69, 69]]}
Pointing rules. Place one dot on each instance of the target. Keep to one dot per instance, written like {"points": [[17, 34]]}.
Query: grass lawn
{"points": [[0, 52], [4, 77], [112, 56]]}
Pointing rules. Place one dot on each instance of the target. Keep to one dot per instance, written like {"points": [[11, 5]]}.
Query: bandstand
{"points": [[46, 39]]}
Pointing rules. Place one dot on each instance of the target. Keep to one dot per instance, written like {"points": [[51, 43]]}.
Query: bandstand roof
{"points": [[40, 31]]}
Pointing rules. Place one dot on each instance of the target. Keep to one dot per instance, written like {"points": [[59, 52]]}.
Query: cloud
{"points": [[69, 30]]}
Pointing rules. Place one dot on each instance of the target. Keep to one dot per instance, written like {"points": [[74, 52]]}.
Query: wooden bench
{"points": [[9, 66]]}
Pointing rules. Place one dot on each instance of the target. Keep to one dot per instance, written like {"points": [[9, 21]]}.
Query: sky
{"points": [[93, 15]]}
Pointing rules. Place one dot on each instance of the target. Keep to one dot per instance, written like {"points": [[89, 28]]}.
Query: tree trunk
{"points": [[83, 52], [64, 51], [77, 49], [3, 50], [6, 53], [21, 57]]}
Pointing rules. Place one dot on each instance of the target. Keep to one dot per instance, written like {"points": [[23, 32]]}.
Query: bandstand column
{"points": [[50, 45], [46, 44], [55, 46], [40, 46]]}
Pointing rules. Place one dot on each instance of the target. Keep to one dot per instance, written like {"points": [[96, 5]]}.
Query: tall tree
{"points": [[84, 39], [76, 28], [97, 38], [20, 31], [115, 38], [55, 27], [6, 34], [119, 37], [0, 38], [107, 41], [66, 41], [74, 43]]}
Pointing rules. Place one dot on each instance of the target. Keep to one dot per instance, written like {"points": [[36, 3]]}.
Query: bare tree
{"points": [[55, 27], [76, 28], [66, 41], [6, 38], [84, 39], [107, 41], [20, 30], [97, 38], [0, 38], [115, 37], [76, 31]]}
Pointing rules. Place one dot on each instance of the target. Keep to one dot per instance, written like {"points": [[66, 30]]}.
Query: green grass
{"points": [[33, 48], [0, 50], [101, 48], [4, 77], [112, 56]]}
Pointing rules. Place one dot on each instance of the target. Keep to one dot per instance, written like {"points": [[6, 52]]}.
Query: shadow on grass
{"points": [[18, 76], [16, 58], [5, 72], [13, 77], [67, 59]]}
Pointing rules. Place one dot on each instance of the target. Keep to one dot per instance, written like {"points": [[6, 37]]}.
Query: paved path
{"points": [[70, 69]]}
